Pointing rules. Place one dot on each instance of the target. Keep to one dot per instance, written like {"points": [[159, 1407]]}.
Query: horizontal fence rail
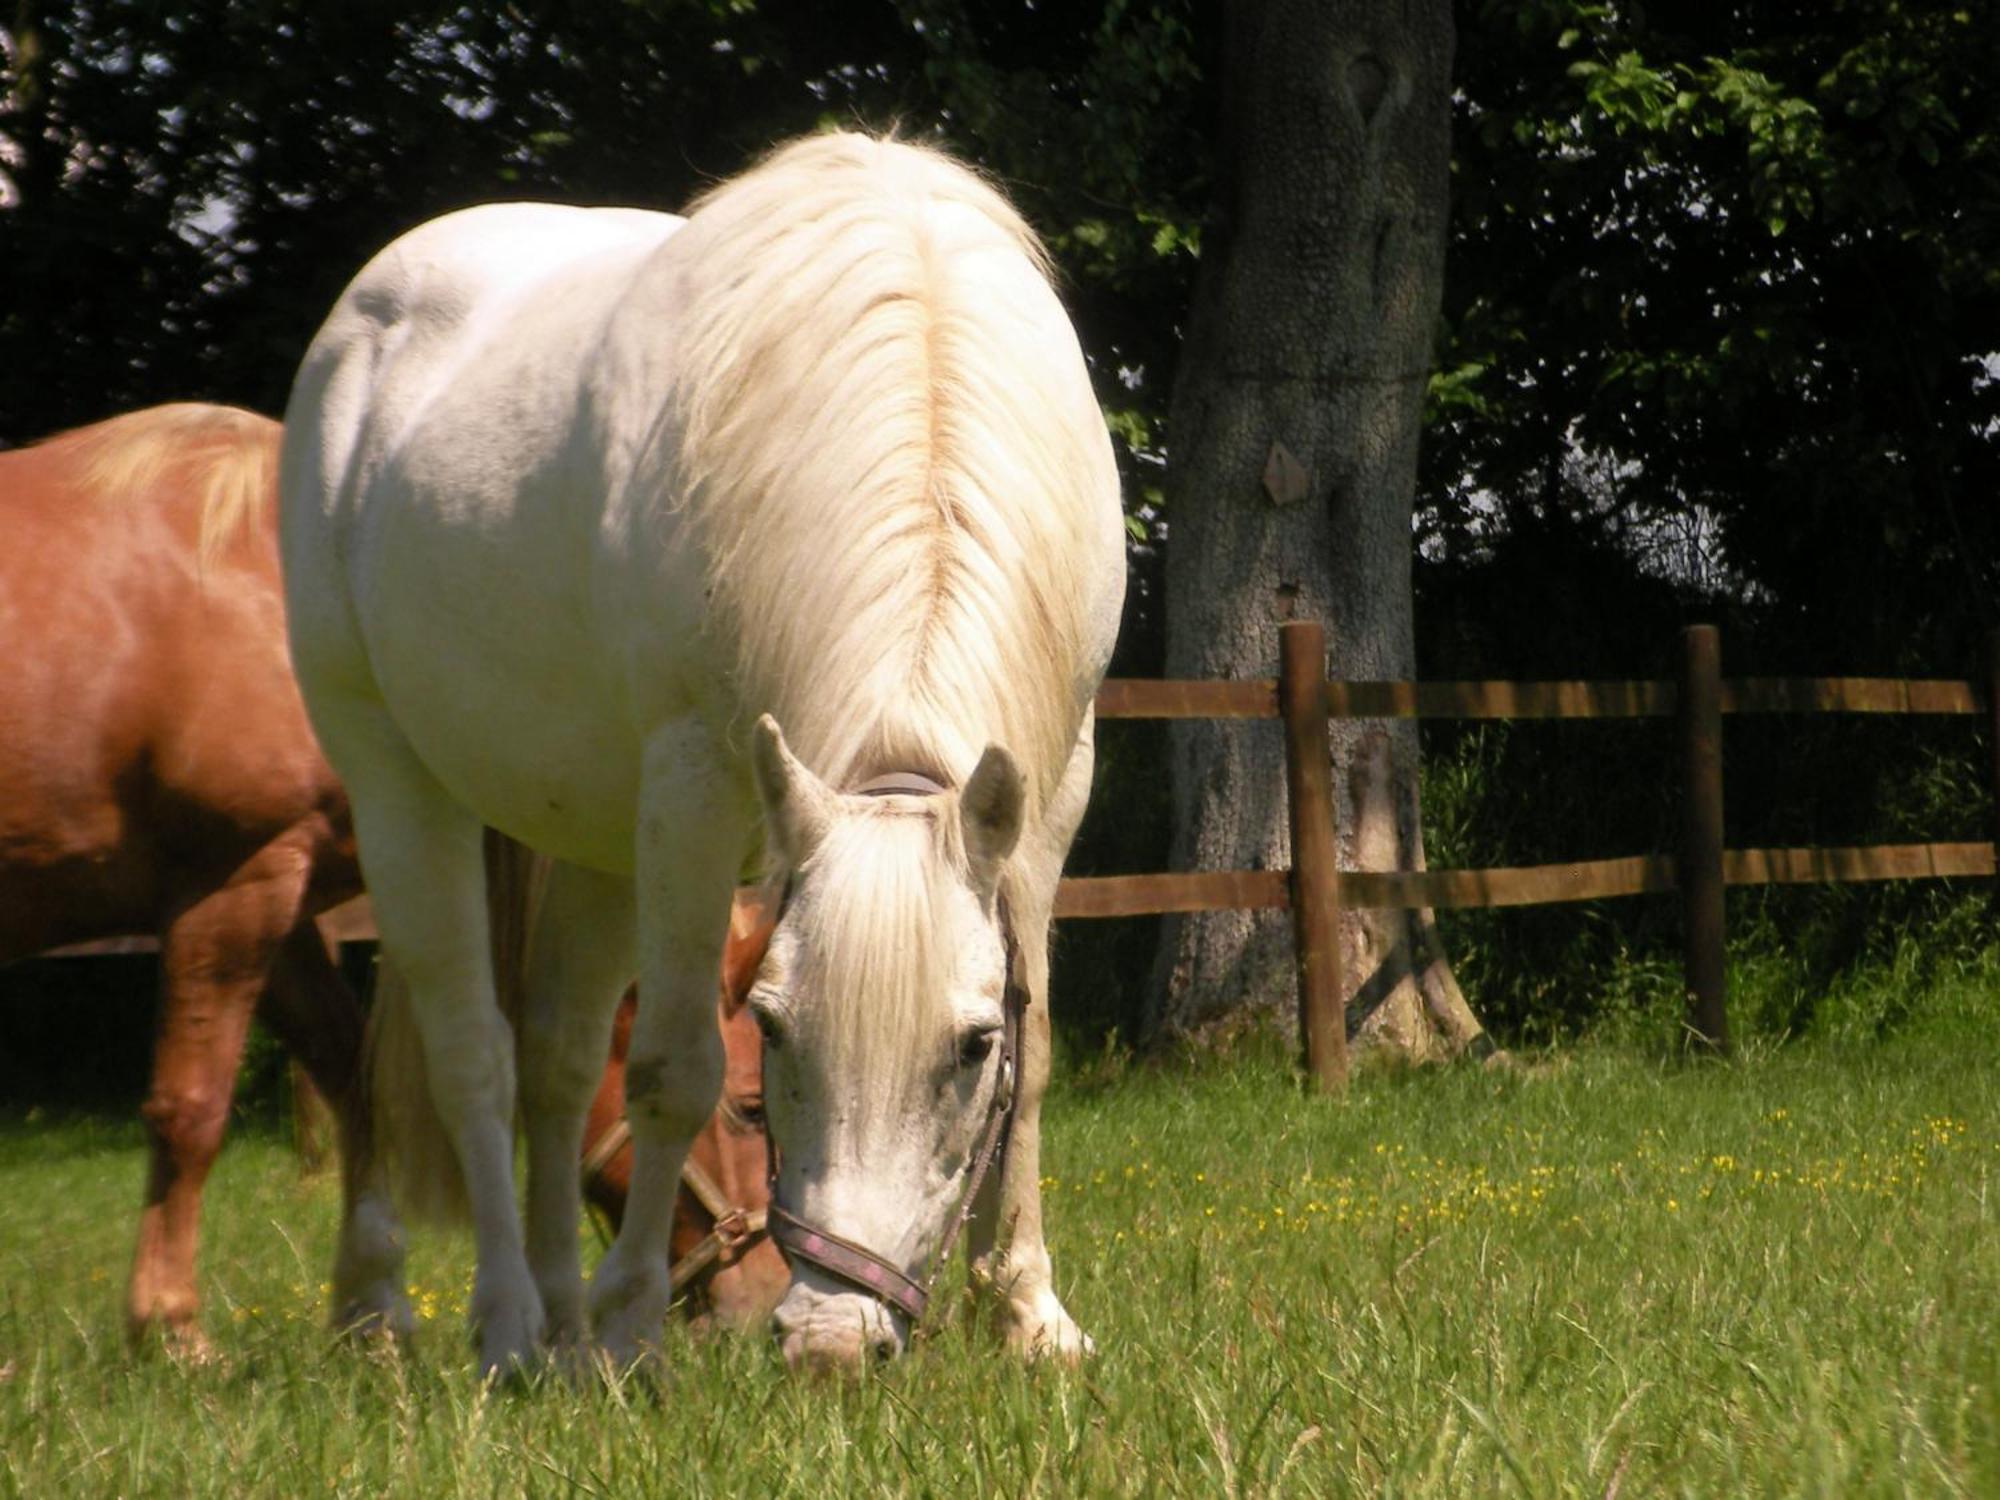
{"points": [[1109, 896], [1257, 698], [1086, 896], [1100, 896]]}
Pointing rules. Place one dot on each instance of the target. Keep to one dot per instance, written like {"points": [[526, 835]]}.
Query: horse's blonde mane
{"points": [[884, 455], [229, 454]]}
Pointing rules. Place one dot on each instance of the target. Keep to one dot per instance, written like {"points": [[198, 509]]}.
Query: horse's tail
{"points": [[416, 1152]]}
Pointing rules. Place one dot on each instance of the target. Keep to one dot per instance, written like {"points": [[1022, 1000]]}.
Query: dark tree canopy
{"points": [[1733, 271], [1725, 269], [191, 186]]}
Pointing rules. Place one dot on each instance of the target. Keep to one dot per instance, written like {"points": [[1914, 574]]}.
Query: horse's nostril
{"points": [[883, 1348]]}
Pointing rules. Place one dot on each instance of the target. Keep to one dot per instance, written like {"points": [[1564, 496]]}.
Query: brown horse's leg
{"points": [[214, 963], [320, 1021]]}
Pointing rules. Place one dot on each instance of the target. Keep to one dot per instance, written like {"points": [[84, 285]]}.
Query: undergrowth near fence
{"points": [[1838, 961], [1597, 1273]]}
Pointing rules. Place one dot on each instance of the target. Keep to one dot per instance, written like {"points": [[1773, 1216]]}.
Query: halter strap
{"points": [[735, 1228], [606, 1147], [900, 784], [849, 1261]]}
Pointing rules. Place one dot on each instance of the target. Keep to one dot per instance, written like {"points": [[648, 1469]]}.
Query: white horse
{"points": [[572, 497]]}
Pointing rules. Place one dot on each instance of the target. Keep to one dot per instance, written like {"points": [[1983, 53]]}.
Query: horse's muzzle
{"points": [[824, 1331]]}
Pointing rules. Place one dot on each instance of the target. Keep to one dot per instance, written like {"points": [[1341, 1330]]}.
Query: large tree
{"points": [[1293, 436]]}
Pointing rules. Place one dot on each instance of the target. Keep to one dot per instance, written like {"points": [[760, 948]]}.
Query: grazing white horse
{"points": [[580, 506]]}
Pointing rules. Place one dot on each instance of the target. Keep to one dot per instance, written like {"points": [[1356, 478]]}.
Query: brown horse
{"points": [[725, 1266], [157, 775]]}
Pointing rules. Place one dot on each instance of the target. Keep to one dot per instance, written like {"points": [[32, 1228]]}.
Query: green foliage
{"points": [[1736, 266], [1720, 312], [1773, 1277], [1851, 963]]}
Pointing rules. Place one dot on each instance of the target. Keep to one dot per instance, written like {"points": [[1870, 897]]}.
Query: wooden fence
{"points": [[1699, 870], [1304, 700]]}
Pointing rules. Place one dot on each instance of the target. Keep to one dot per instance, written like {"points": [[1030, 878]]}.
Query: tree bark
{"points": [[1293, 447]]}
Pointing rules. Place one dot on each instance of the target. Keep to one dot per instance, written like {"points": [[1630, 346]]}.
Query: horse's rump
{"points": [[148, 681]]}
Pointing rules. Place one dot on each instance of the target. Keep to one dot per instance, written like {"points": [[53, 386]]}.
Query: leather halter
{"points": [[849, 1261], [735, 1229], [899, 784]]}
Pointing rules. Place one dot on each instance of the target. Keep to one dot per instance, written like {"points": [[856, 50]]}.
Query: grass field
{"points": [[1606, 1275]]}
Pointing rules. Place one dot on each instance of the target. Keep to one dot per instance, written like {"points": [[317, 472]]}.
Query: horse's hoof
{"points": [[622, 1347], [383, 1319], [508, 1330], [628, 1310], [187, 1346], [505, 1365], [1044, 1330], [566, 1325]]}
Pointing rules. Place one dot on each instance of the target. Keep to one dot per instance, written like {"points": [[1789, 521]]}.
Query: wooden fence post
{"points": [[1698, 870], [1315, 887]]}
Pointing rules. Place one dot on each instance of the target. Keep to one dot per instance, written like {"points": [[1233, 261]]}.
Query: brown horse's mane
{"points": [[226, 455]]}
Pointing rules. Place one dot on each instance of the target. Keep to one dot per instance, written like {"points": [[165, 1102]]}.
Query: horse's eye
{"points": [[767, 1028], [973, 1047]]}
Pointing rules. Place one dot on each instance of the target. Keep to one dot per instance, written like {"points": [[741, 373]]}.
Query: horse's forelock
{"points": [[875, 946]]}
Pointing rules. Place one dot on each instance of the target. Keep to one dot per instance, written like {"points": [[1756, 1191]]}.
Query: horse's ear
{"points": [[797, 805], [991, 808]]}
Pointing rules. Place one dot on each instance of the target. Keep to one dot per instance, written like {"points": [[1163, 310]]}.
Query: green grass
{"points": [[1605, 1274]]}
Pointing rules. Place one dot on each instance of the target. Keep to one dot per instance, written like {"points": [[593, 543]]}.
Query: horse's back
{"points": [[150, 731]]}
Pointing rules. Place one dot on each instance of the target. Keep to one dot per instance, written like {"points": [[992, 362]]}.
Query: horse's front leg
{"points": [[693, 826], [1009, 1254], [214, 963]]}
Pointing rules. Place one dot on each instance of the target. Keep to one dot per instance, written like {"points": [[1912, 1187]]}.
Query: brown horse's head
{"points": [[741, 1274]]}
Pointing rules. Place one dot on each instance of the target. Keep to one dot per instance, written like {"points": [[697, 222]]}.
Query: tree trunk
{"points": [[1293, 448]]}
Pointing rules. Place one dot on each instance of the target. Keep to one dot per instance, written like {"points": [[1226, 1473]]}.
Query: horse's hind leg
{"points": [[214, 963], [579, 962], [422, 856], [320, 1021]]}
